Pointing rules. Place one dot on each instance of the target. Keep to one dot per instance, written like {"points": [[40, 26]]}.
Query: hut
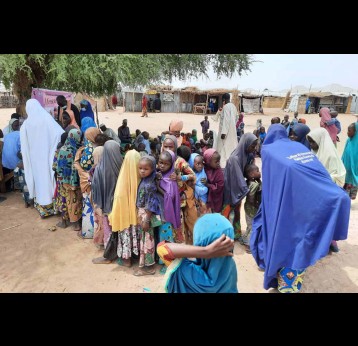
{"points": [[132, 99], [332, 100], [251, 103], [273, 99]]}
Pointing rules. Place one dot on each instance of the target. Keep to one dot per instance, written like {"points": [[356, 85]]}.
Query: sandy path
{"points": [[33, 259]]}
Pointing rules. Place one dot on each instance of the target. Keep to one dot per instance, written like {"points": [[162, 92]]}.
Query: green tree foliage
{"points": [[99, 74]]}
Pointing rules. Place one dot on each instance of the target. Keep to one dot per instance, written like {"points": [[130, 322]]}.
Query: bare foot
{"points": [[79, 234], [62, 224], [101, 260]]}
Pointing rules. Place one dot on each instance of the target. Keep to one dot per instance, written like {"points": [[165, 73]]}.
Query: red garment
{"points": [[215, 179], [144, 102], [114, 100]]}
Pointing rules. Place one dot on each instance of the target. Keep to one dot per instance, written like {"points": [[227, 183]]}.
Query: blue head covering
{"points": [[86, 123], [201, 191], [191, 160], [88, 112], [302, 209], [301, 131], [275, 132], [215, 275]]}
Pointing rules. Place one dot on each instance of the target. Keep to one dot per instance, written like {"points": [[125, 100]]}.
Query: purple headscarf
{"points": [[171, 196]]}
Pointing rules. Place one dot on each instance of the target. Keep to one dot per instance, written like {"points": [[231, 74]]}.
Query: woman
{"points": [[175, 128], [325, 115], [86, 110], [321, 144], [84, 161], [14, 125], [39, 136], [144, 107], [97, 222], [235, 188], [298, 134], [86, 123], [328, 156], [103, 186], [350, 161], [124, 217], [212, 270], [300, 213], [69, 191], [71, 114], [90, 144]]}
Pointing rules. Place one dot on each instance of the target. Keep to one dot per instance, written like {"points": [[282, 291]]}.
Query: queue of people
{"points": [[177, 201]]}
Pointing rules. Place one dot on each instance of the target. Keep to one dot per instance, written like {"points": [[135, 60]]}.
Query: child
{"points": [[215, 180], [146, 141], [201, 191], [349, 158], [205, 125], [258, 127], [170, 199], [141, 149], [253, 200], [194, 135], [262, 134], [198, 148], [148, 205], [335, 121]]}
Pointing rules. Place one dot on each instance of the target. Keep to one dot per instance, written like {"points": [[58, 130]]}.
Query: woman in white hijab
{"points": [[39, 136], [321, 144]]}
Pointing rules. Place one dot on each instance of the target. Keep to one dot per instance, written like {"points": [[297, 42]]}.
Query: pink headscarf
{"points": [[241, 119], [174, 126], [208, 155], [325, 115]]}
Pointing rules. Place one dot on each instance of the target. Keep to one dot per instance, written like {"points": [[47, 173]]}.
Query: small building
{"points": [[7, 98], [251, 103], [332, 100]]}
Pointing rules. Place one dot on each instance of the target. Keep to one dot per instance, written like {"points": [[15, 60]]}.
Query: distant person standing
{"points": [[205, 125], [144, 107], [150, 105], [308, 103], [157, 104], [114, 101], [227, 138]]}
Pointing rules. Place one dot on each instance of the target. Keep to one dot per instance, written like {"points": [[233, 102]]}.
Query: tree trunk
{"points": [[23, 83], [110, 104], [22, 89]]}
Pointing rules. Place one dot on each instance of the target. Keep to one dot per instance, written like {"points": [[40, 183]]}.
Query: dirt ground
{"points": [[34, 259]]}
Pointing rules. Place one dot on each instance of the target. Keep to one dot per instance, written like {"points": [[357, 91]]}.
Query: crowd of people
{"points": [[176, 200]]}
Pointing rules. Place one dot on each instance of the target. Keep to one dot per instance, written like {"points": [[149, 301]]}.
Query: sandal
{"points": [[101, 260], [140, 272], [124, 263]]}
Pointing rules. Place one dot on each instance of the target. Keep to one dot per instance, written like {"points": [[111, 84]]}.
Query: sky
{"points": [[281, 71]]}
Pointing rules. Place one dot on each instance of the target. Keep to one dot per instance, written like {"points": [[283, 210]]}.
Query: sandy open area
{"points": [[33, 259]]}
